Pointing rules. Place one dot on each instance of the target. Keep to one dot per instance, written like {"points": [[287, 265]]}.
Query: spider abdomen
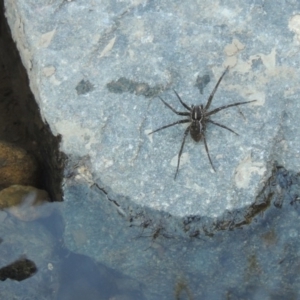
{"points": [[196, 130], [197, 125]]}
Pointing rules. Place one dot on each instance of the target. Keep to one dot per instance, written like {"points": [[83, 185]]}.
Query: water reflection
{"points": [[83, 278], [62, 274], [259, 260], [251, 254]]}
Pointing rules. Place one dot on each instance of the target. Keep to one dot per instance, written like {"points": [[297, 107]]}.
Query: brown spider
{"points": [[198, 117]]}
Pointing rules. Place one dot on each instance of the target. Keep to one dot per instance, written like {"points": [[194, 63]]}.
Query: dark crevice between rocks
{"points": [[20, 121]]}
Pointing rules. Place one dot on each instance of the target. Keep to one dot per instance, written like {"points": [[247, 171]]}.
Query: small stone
{"points": [[16, 166], [25, 202]]}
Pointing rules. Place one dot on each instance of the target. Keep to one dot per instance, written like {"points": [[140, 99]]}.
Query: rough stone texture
{"points": [[77, 53], [96, 69]]}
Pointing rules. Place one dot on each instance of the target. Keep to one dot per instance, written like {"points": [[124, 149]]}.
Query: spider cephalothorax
{"points": [[198, 116]]}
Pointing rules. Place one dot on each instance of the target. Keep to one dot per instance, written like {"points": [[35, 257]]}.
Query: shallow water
{"points": [[259, 260]]}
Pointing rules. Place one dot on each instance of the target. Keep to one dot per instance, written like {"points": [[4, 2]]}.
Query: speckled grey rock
{"points": [[96, 69]]}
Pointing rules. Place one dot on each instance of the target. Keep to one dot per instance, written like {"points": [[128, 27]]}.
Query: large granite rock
{"points": [[96, 69]]}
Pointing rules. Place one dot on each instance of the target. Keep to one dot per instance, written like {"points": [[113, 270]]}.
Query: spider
{"points": [[198, 117]]}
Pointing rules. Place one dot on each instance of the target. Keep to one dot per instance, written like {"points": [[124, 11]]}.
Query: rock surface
{"points": [[96, 69], [98, 88]]}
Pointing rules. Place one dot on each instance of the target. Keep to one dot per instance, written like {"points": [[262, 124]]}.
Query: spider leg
{"points": [[169, 125], [173, 110], [181, 148], [206, 148], [223, 126], [214, 90], [227, 106], [184, 104]]}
